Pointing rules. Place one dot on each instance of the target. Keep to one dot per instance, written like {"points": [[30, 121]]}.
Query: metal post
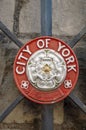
{"points": [[47, 117], [46, 17], [46, 30]]}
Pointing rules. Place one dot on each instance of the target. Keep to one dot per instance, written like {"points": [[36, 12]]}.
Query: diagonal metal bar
{"points": [[11, 107], [72, 96], [75, 39], [78, 102], [19, 44], [10, 35]]}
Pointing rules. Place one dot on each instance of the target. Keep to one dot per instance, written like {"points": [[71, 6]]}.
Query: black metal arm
{"points": [[75, 39], [11, 107], [10, 35]]}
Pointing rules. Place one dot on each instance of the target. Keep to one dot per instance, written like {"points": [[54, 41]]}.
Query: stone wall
{"points": [[22, 17]]}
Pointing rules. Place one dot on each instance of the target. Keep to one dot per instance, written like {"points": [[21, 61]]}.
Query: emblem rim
{"points": [[64, 93]]}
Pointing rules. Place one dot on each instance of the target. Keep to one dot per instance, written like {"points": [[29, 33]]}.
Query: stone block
{"points": [[9, 129], [6, 12], [2, 63], [69, 16], [29, 20], [23, 113], [59, 113]]}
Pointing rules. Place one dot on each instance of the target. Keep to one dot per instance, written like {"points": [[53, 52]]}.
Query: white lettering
{"points": [[22, 57], [47, 42], [66, 52], [40, 43], [71, 67], [27, 50], [18, 71], [60, 46], [70, 59]]}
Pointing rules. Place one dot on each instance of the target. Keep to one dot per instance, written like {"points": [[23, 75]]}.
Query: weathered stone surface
{"points": [[80, 51], [15, 126], [69, 16], [9, 129], [24, 40], [12, 45], [7, 12], [59, 113], [8, 91], [2, 63], [29, 20], [25, 112]]}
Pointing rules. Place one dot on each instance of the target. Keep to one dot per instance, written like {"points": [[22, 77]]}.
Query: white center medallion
{"points": [[46, 69]]}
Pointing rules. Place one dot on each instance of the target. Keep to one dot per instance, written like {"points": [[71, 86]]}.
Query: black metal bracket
{"points": [[10, 35], [75, 39], [11, 107], [72, 43], [78, 102]]}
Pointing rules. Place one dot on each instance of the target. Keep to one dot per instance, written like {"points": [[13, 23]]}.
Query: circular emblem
{"points": [[45, 70]]}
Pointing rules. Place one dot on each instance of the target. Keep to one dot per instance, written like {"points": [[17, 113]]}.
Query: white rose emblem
{"points": [[46, 69]]}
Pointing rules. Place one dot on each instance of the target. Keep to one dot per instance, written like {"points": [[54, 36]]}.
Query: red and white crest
{"points": [[46, 70]]}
